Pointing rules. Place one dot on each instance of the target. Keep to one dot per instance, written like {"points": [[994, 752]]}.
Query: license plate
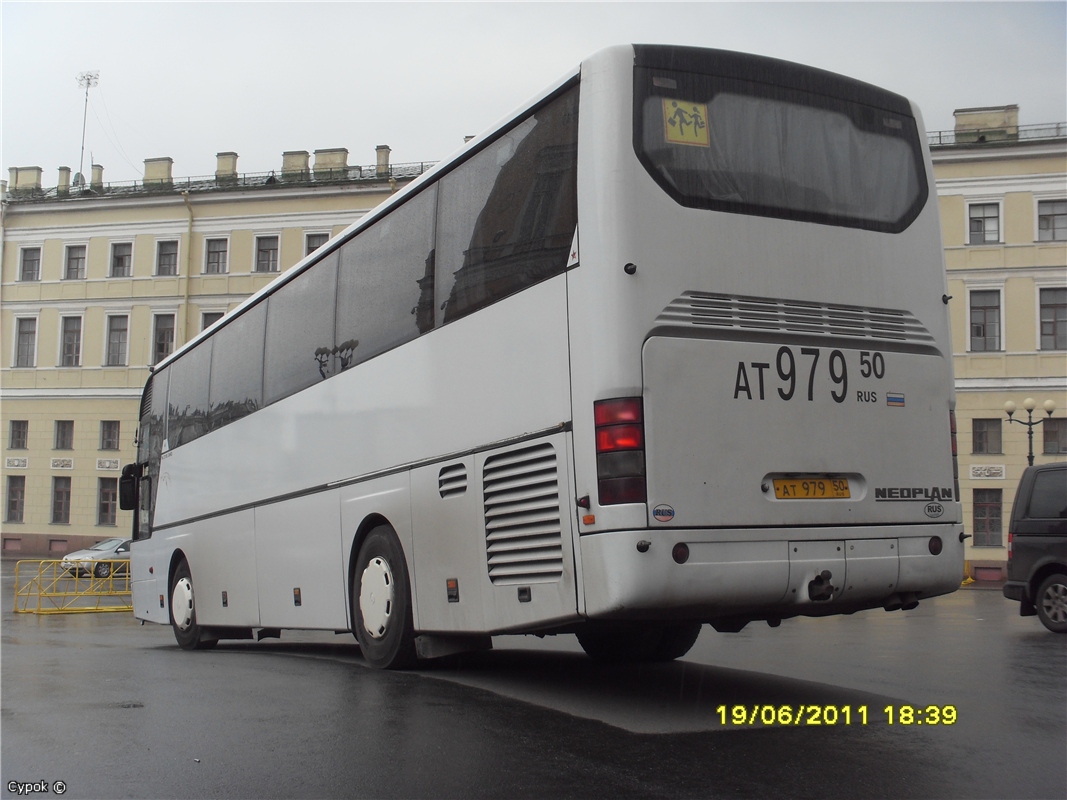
{"points": [[811, 487]]}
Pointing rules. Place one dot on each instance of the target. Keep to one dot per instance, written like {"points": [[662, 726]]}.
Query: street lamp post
{"points": [[1029, 404]]}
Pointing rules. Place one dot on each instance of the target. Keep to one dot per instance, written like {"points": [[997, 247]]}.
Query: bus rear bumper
{"points": [[766, 573]]}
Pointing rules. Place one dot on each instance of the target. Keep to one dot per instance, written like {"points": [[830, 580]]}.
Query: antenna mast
{"points": [[87, 79]]}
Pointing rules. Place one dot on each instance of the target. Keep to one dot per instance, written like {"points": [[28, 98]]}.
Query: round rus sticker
{"points": [[663, 513], [934, 510]]}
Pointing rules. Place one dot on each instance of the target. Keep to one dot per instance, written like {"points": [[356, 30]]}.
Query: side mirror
{"points": [[131, 474]]}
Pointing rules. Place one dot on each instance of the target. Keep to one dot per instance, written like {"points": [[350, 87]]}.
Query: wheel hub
{"points": [[1055, 602], [181, 603], [376, 597]]}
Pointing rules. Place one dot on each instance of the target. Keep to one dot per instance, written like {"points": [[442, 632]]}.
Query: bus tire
{"points": [[381, 602], [183, 612], [1051, 603], [620, 641], [677, 641]]}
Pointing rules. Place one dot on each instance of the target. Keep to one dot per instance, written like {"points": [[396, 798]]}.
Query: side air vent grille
{"points": [[452, 480], [754, 314], [523, 535], [146, 399]]}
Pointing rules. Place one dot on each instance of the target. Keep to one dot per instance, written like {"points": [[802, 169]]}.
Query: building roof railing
{"points": [[1009, 134], [215, 183]]}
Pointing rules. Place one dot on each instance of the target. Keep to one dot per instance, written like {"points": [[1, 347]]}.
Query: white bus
{"points": [[668, 346]]}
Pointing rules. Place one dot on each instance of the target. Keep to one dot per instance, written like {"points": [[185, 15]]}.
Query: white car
{"points": [[97, 559]]}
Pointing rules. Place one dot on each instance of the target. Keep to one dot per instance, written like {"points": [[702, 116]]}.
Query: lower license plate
{"points": [[811, 487]]}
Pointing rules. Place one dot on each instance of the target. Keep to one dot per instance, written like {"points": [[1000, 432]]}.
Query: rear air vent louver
{"points": [[146, 399], [752, 315], [523, 535], [452, 480]]}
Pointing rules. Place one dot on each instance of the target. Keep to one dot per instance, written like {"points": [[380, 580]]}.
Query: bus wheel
{"points": [[1051, 603], [381, 599], [620, 641], [183, 612], [677, 641]]}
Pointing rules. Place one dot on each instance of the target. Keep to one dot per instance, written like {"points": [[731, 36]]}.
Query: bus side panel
{"points": [[449, 544], [387, 497], [489, 377], [221, 552], [299, 564]]}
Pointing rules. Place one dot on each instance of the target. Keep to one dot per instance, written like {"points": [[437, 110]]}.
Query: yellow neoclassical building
{"points": [[100, 281], [1003, 194]]}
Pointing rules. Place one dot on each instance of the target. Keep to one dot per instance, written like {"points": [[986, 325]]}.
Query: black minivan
{"points": [[1037, 546]]}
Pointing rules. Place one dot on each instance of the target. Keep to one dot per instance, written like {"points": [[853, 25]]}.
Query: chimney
{"points": [[382, 168], [331, 164], [157, 171], [97, 181], [64, 180], [25, 179], [295, 165], [988, 124], [226, 167]]}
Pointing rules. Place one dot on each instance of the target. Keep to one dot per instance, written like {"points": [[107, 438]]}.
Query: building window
{"points": [[1052, 220], [64, 434], [167, 258], [61, 500], [163, 339], [107, 506], [109, 434], [985, 436], [985, 223], [314, 241], [72, 342], [30, 266], [1053, 319], [122, 260], [985, 321], [266, 254], [215, 263], [16, 498], [19, 438], [26, 346], [1055, 435], [987, 504], [209, 318], [117, 328], [74, 269]]}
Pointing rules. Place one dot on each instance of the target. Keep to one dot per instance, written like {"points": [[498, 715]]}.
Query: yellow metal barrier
{"points": [[45, 587]]}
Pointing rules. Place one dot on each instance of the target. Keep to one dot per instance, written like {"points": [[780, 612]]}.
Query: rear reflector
{"points": [[620, 448]]}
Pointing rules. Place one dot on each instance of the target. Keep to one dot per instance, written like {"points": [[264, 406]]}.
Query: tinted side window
{"points": [[1049, 498], [507, 216], [187, 414], [237, 368], [299, 329], [385, 287]]}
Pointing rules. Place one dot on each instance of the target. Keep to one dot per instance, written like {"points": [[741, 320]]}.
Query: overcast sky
{"points": [[189, 80]]}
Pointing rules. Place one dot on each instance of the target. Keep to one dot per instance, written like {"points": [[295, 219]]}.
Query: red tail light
{"points": [[620, 450], [1010, 537]]}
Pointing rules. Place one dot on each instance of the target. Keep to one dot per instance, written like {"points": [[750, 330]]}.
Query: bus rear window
{"points": [[749, 147]]}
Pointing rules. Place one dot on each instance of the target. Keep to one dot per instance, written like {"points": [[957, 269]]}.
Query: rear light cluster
{"points": [[955, 456], [620, 450]]}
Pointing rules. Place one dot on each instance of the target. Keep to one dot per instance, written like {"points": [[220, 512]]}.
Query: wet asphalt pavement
{"points": [[113, 709]]}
